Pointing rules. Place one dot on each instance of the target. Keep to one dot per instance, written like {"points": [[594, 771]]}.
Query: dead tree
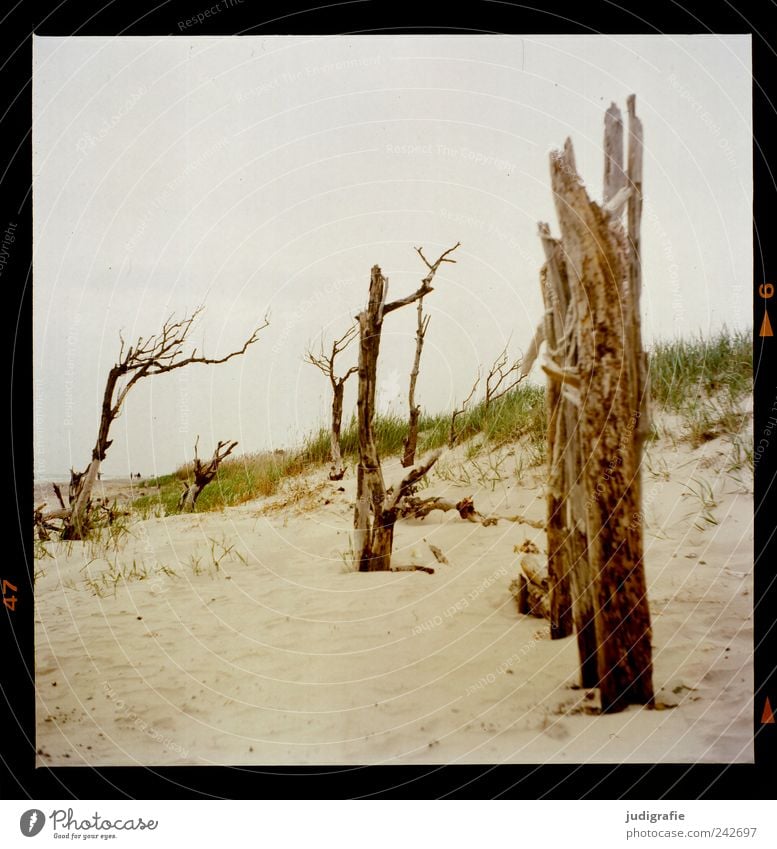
{"points": [[411, 440], [502, 377], [203, 474], [159, 354], [375, 511], [325, 362], [453, 436], [598, 383]]}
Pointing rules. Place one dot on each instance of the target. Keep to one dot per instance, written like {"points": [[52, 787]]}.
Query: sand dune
{"points": [[250, 641]]}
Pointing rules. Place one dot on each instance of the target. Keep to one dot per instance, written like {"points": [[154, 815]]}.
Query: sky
{"points": [[256, 174]]}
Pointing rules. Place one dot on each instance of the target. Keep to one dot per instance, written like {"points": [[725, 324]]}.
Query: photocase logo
{"points": [[31, 822]]}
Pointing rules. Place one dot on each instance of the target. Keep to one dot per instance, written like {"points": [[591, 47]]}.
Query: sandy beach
{"points": [[121, 490], [244, 636]]}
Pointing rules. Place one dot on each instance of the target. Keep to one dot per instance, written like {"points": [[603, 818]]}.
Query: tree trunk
{"points": [[411, 440], [189, 498], [337, 470], [204, 473], [375, 512], [382, 542], [77, 525], [371, 553]]}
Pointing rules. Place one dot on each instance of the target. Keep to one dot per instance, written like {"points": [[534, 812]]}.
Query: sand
{"points": [[244, 637]]}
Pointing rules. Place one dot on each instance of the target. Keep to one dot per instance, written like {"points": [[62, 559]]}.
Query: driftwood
{"points": [[43, 523], [419, 508], [531, 588], [203, 474], [325, 362], [591, 284], [376, 510]]}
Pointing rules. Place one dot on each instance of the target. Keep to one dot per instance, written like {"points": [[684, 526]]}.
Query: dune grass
{"points": [[688, 369], [520, 413], [700, 380], [703, 381], [239, 479]]}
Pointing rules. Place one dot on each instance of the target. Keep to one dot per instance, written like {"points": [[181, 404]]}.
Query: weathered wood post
{"points": [[600, 375]]}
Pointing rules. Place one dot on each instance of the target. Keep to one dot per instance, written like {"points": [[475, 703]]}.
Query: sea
{"points": [[43, 490]]}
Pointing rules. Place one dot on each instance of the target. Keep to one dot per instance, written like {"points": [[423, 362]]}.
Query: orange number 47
{"points": [[9, 601]]}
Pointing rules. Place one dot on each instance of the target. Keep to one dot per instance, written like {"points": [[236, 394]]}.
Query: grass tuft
{"points": [[688, 370]]}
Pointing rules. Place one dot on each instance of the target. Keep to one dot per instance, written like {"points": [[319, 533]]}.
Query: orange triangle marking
{"points": [[768, 716], [766, 326]]}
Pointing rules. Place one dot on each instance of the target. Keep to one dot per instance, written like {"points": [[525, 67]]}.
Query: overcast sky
{"points": [[271, 173]]}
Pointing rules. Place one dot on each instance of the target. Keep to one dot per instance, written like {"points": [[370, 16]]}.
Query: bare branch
{"points": [[158, 354], [411, 477], [58, 493], [326, 362], [499, 380], [320, 362], [158, 367], [345, 340], [426, 283], [411, 440]]}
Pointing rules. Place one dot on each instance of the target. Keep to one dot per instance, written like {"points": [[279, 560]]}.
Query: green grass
{"points": [[239, 479], [701, 380], [684, 370], [520, 413]]}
